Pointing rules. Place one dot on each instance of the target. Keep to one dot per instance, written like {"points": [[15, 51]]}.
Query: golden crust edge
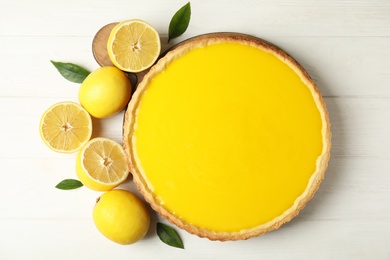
{"points": [[322, 161]]}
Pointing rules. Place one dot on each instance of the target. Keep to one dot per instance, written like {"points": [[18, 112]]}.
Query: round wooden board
{"points": [[99, 45]]}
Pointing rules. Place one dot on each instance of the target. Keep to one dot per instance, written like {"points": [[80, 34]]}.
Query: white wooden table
{"points": [[345, 45]]}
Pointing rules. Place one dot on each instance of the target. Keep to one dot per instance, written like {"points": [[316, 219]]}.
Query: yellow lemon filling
{"points": [[227, 137]]}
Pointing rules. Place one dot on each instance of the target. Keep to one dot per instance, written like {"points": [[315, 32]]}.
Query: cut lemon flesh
{"points": [[65, 127], [101, 164], [133, 45]]}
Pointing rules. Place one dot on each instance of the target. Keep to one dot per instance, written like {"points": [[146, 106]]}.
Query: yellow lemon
{"points": [[105, 92], [133, 45], [121, 216], [101, 164], [65, 127]]}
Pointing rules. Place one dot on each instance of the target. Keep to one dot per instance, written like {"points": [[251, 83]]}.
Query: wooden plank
{"points": [[341, 66], [359, 126], [349, 183], [302, 18], [79, 239]]}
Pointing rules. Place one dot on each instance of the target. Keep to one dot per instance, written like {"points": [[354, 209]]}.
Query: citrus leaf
{"points": [[69, 184], [179, 22], [70, 71], [168, 235]]}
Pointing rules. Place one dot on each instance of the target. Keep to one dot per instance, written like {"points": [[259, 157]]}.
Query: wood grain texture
{"points": [[99, 45], [343, 44], [341, 66]]}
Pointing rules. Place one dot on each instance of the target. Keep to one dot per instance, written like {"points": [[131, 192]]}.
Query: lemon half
{"points": [[65, 127], [101, 164], [133, 45]]}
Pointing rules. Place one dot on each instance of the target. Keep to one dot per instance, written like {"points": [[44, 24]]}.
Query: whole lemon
{"points": [[121, 216], [105, 92]]}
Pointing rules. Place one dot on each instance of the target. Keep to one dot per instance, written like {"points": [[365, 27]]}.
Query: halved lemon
{"points": [[65, 127], [133, 45], [101, 164]]}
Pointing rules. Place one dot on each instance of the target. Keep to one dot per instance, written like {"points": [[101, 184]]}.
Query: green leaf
{"points": [[179, 22], [168, 235], [70, 71], [69, 184]]}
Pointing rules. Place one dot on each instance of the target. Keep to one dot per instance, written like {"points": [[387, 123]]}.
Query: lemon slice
{"points": [[65, 127], [133, 45], [101, 164]]}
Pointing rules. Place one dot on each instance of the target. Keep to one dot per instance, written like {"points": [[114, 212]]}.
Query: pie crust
{"points": [[143, 183]]}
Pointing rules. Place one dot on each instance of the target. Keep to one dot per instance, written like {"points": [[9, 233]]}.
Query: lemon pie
{"points": [[227, 136]]}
